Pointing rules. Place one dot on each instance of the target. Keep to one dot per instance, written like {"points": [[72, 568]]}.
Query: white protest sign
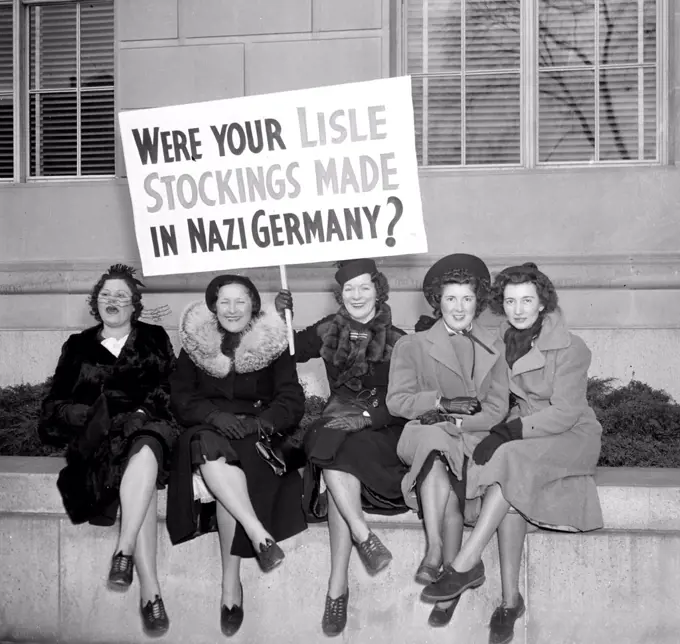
{"points": [[290, 178]]}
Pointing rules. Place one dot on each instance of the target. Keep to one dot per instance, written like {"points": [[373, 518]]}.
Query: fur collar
{"points": [[201, 338]]}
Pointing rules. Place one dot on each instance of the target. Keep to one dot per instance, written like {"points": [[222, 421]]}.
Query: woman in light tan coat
{"points": [[451, 382], [538, 465]]}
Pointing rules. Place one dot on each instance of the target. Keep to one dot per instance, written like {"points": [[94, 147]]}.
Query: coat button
{"points": [[375, 403], [257, 404], [374, 392]]}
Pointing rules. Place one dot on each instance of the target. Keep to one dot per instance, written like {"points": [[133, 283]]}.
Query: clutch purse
{"points": [[279, 452]]}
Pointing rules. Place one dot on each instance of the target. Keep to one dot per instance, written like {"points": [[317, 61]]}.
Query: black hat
{"points": [[528, 268], [458, 261], [353, 268], [216, 284]]}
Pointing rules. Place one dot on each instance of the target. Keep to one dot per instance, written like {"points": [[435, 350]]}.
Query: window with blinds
{"points": [[585, 81], [71, 89], [6, 93]]}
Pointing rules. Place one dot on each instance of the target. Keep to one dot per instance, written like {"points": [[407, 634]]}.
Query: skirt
{"points": [[277, 500]]}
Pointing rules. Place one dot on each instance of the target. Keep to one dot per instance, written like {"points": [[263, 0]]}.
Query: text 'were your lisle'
{"points": [[343, 175]]}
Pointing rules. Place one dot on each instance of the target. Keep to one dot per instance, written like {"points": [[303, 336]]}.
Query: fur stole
{"points": [[352, 357], [264, 340]]}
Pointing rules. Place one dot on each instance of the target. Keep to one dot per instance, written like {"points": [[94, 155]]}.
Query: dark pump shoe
{"points": [[269, 555], [154, 618], [503, 620], [441, 616], [426, 574], [451, 583], [232, 618], [120, 574], [373, 554], [335, 615]]}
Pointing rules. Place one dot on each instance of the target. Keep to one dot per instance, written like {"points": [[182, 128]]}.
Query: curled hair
{"points": [[480, 287], [121, 272], [382, 289], [526, 274]]}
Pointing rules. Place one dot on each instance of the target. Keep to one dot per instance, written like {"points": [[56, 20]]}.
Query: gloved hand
{"points": [[135, 422], [227, 423], [352, 423], [75, 414], [251, 424], [266, 426], [432, 417], [499, 434], [283, 301], [468, 405]]}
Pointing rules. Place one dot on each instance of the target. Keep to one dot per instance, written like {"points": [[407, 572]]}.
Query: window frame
{"points": [[21, 105], [529, 97]]}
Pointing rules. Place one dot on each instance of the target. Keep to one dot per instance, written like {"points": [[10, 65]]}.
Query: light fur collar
{"points": [[199, 333]]}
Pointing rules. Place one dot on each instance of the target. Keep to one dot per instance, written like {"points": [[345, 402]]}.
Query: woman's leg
{"points": [[436, 498], [494, 510], [511, 534], [340, 538], [231, 564], [229, 486], [136, 490], [145, 552], [345, 489]]}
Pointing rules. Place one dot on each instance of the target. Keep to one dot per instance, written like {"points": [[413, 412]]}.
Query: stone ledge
{"points": [[631, 498]]}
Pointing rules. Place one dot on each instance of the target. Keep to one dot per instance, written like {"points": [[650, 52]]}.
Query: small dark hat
{"points": [[458, 261], [221, 280], [528, 268], [353, 268]]}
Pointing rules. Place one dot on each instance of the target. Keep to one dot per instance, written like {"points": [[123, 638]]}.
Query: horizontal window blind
{"points": [[71, 89], [6, 94], [464, 57], [591, 66]]}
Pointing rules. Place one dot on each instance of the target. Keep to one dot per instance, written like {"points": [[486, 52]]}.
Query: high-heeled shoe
{"points": [[269, 555], [232, 618], [120, 573]]}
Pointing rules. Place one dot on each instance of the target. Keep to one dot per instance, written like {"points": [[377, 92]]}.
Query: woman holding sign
{"points": [[537, 466], [451, 381], [109, 401], [235, 380], [354, 442]]}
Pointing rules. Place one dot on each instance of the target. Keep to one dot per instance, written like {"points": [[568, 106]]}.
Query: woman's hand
{"points": [[499, 434], [432, 417], [135, 422], [352, 423], [283, 301], [75, 414], [227, 423], [467, 405]]}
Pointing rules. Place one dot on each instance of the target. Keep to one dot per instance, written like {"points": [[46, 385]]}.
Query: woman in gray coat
{"points": [[538, 465], [451, 382]]}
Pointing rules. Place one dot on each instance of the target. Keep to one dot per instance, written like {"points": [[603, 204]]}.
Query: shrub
{"points": [[641, 425]]}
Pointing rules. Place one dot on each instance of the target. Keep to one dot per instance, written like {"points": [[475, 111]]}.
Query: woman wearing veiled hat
{"points": [[451, 382], [537, 466], [354, 443], [235, 379], [109, 402]]}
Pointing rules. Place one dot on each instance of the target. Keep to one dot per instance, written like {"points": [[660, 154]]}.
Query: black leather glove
{"points": [[352, 423], [467, 405], [432, 417], [499, 434], [227, 423], [251, 424], [283, 301], [75, 414], [266, 426]]}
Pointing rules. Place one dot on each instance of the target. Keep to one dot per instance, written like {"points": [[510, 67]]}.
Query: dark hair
{"points": [[118, 272], [433, 291], [382, 289], [527, 273]]}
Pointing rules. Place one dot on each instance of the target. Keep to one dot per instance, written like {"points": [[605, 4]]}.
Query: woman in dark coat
{"points": [[355, 445], [536, 466], [235, 378], [109, 402]]}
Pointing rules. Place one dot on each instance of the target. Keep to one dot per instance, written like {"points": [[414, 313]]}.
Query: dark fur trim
{"points": [[201, 337]]}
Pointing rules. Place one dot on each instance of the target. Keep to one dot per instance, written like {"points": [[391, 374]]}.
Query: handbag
{"points": [[279, 452]]}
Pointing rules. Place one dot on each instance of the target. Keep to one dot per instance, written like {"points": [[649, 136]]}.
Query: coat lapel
{"points": [[442, 350], [530, 362], [484, 360]]}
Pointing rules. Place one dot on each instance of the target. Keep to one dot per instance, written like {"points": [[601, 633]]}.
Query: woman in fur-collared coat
{"points": [[234, 379], [109, 402]]}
